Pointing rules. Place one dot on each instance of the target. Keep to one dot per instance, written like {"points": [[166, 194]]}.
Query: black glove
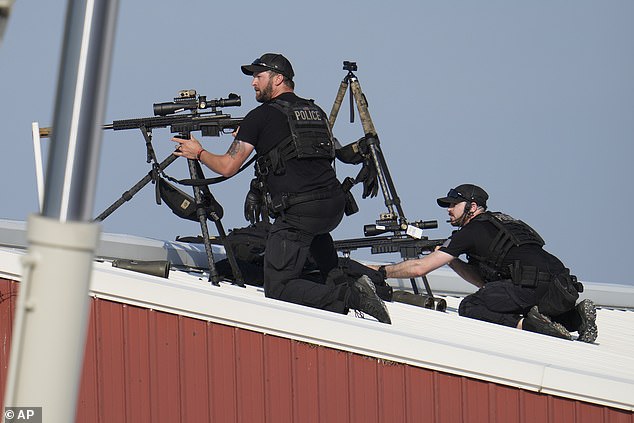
{"points": [[369, 177], [253, 202]]}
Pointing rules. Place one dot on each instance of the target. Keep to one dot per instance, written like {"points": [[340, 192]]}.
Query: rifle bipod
{"points": [[394, 220], [205, 205]]}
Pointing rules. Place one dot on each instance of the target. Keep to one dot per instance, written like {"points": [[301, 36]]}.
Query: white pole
{"points": [[39, 167], [52, 311], [47, 347]]}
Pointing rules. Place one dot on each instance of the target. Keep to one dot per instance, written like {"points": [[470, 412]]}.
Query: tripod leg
{"points": [[369, 130], [127, 196], [362, 106], [337, 104], [396, 201], [201, 213], [230, 255]]}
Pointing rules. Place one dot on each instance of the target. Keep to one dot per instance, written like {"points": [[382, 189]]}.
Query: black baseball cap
{"points": [[464, 192], [270, 61]]}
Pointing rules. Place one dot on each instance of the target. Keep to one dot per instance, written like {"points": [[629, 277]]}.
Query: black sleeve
{"points": [[264, 127], [250, 127], [460, 242]]}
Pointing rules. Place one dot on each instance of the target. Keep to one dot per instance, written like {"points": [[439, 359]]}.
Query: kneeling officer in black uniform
{"points": [[294, 173], [521, 284]]}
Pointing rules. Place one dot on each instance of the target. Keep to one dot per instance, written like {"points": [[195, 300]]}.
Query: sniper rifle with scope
{"points": [[196, 117], [209, 123], [407, 246], [188, 113]]}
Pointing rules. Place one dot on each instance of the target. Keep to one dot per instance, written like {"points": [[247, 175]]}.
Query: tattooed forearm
{"points": [[235, 148]]}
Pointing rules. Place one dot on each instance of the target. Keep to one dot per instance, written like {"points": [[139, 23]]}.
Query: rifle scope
{"points": [[378, 229], [188, 101]]}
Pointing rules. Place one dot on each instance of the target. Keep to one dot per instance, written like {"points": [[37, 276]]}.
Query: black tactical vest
{"points": [[511, 233], [310, 137]]}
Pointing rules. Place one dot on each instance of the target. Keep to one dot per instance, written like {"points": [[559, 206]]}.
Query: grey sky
{"points": [[534, 101]]}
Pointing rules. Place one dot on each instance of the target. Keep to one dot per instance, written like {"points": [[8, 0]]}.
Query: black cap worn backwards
{"points": [[464, 192], [270, 61]]}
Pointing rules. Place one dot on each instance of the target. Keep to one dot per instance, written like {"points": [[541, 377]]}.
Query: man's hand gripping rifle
{"points": [[407, 237], [188, 113]]}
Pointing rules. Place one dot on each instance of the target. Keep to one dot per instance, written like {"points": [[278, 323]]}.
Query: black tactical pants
{"points": [[504, 303], [499, 302], [301, 230]]}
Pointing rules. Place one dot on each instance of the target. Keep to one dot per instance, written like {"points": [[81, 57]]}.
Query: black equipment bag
{"points": [[560, 295], [184, 205], [248, 246]]}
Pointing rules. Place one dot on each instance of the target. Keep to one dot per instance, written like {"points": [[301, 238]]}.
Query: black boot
{"points": [[537, 322], [362, 297], [588, 331]]}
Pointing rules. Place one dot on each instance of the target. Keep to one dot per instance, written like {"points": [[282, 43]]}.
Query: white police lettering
{"points": [[307, 115]]}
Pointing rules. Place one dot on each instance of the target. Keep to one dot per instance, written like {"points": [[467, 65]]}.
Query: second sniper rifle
{"points": [[209, 123]]}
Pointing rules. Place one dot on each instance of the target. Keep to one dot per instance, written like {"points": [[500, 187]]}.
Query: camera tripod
{"points": [[205, 204], [394, 219]]}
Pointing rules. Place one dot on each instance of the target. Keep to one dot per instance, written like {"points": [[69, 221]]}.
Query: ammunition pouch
{"points": [[275, 160], [528, 276], [556, 293], [561, 295]]}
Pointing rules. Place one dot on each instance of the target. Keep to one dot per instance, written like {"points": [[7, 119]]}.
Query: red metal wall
{"points": [[147, 366]]}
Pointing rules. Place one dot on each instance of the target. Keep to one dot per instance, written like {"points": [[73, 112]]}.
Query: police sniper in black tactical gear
{"points": [[520, 284], [295, 147], [518, 273]]}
